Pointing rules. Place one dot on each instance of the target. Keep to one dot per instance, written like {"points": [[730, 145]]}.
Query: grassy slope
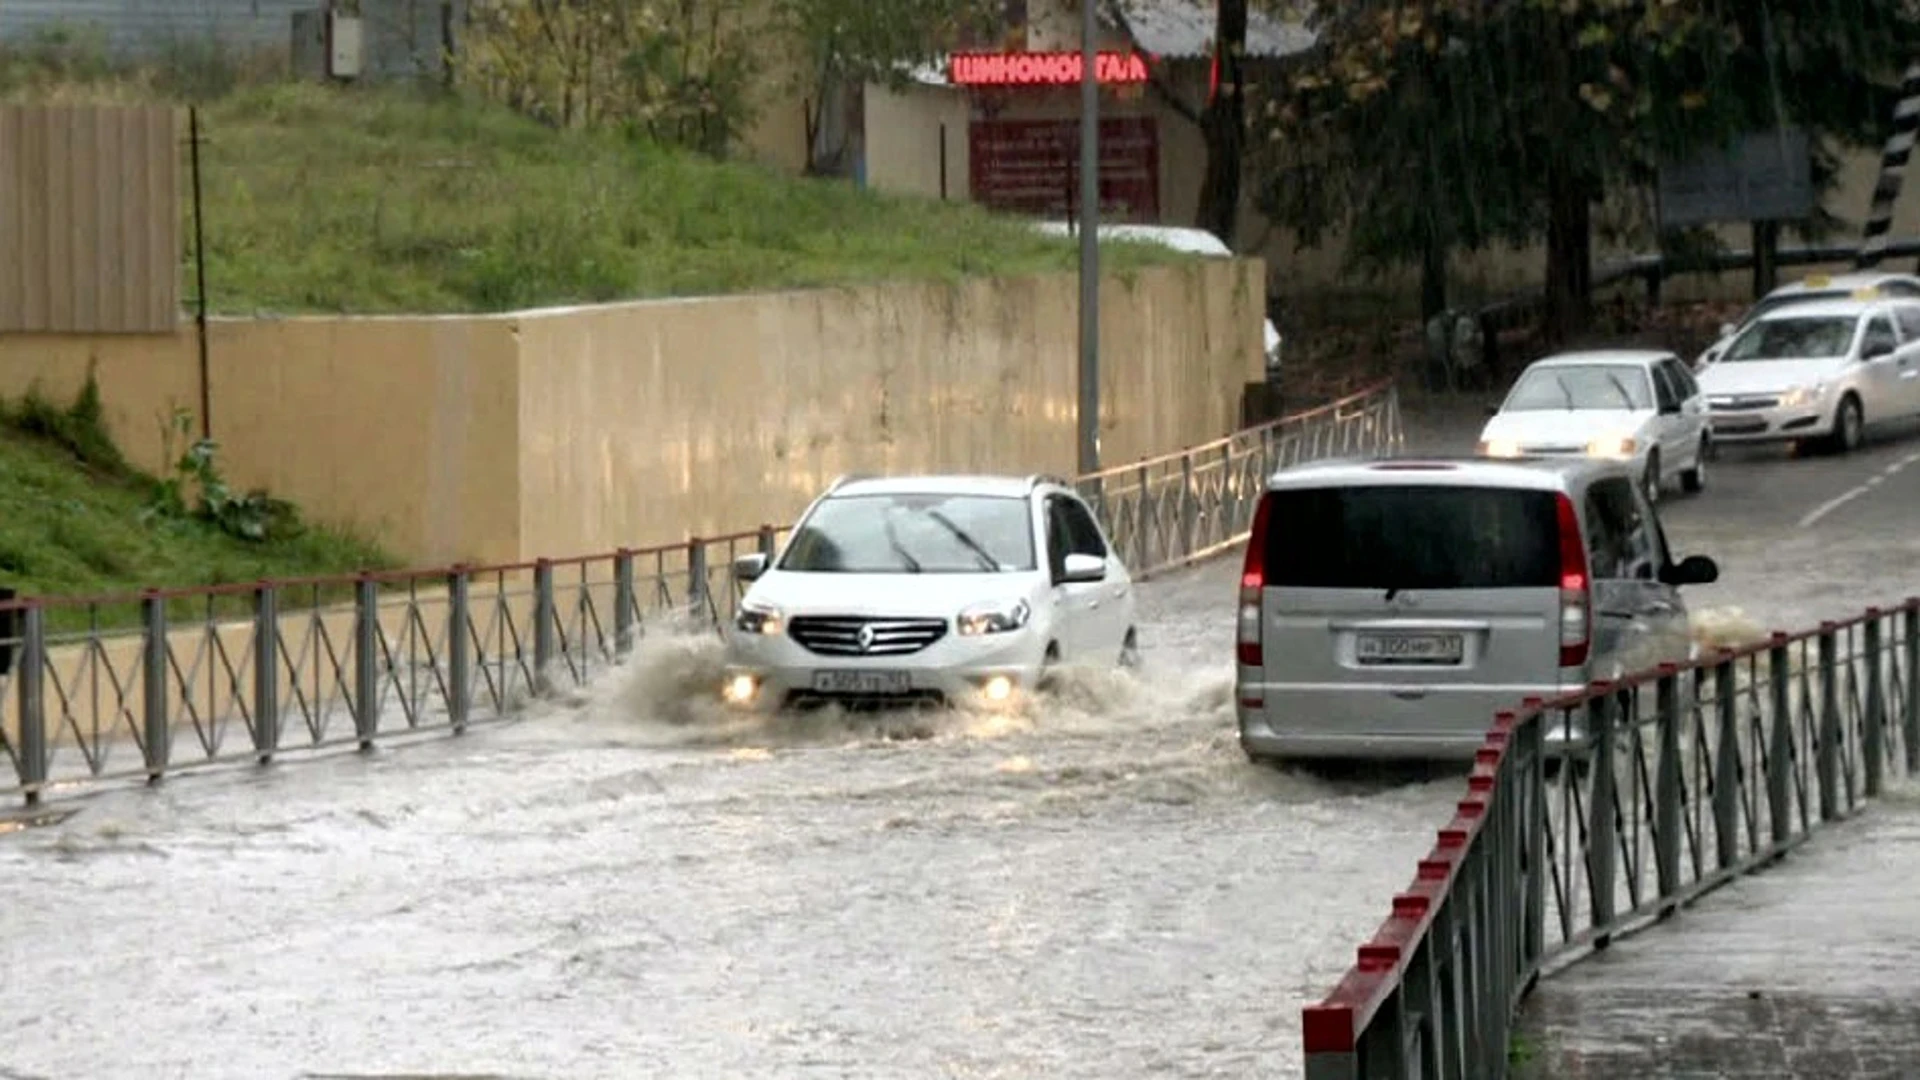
{"points": [[323, 200], [67, 528]]}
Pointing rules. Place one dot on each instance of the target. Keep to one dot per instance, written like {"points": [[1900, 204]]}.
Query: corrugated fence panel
{"points": [[134, 26], [89, 219]]}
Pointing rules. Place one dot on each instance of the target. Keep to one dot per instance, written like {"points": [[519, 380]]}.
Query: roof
{"points": [[1642, 357], [996, 486], [1184, 30], [1859, 279], [1527, 474], [1830, 306]]}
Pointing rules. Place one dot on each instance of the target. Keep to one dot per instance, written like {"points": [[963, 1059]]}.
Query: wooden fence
{"points": [[90, 214]]}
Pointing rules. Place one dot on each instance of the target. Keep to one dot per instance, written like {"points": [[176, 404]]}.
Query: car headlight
{"points": [[994, 618], [1803, 395], [1499, 448], [1613, 446], [759, 619]]}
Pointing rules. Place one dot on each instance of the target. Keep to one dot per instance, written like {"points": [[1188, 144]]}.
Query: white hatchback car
{"points": [[1640, 406], [1817, 371], [929, 590], [1859, 285]]}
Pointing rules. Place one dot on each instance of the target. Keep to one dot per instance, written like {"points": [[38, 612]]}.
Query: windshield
{"points": [[1581, 386], [1775, 303], [913, 534], [1413, 537], [1798, 337]]}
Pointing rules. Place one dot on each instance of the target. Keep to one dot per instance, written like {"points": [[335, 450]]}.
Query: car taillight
{"points": [[1253, 579], [1576, 611]]}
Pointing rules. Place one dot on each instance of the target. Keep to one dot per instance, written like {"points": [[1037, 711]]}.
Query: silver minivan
{"points": [[1389, 608]]}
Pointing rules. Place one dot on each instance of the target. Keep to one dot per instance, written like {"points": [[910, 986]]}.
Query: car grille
{"points": [[916, 700], [854, 635], [1743, 404]]}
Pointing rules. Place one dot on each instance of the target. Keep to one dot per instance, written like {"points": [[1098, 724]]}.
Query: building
{"points": [[998, 122]]}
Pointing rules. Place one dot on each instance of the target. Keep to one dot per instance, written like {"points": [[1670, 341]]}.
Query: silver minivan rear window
{"points": [[1412, 537]]}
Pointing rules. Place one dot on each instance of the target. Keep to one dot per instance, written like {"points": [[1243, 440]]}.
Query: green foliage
{"points": [[1462, 123], [79, 429], [255, 517], [677, 73], [328, 200], [75, 519]]}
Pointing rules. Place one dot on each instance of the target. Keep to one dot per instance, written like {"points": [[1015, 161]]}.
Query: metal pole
{"points": [[200, 274], [1089, 410]]}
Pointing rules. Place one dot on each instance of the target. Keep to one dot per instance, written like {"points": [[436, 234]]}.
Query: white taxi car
{"points": [[929, 590], [1859, 285], [1819, 371], [1639, 406]]}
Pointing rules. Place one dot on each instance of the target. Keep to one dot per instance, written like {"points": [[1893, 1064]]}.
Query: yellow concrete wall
{"points": [[641, 421], [403, 427], [560, 432]]}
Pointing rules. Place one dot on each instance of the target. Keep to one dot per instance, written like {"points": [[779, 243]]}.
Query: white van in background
{"points": [[1179, 238]]}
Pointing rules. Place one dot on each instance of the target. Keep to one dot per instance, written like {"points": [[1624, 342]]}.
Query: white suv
{"points": [[943, 590]]}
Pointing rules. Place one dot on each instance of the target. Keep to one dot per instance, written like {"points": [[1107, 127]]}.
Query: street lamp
{"points": [[1089, 408]]}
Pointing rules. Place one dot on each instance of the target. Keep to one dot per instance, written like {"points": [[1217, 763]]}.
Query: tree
{"points": [[845, 45], [1586, 96], [674, 73], [1223, 124]]}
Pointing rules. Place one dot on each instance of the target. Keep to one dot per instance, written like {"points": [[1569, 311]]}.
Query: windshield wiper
{"points": [[1564, 392], [893, 541], [1622, 387], [987, 561]]}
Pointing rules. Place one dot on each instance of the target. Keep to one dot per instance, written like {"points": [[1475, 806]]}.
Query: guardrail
{"points": [[1693, 775], [139, 686]]}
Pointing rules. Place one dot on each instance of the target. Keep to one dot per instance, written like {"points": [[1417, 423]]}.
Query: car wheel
{"points": [[1130, 650], [1651, 480], [1848, 426], [1693, 481]]}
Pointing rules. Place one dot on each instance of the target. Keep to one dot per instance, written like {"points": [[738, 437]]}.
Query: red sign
{"points": [[1031, 167], [1042, 68]]}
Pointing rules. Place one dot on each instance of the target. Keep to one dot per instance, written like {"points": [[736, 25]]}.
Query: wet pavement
{"points": [[1809, 969], [630, 884]]}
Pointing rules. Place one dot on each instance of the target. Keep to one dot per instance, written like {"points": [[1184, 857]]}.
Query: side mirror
{"points": [[750, 567], [1080, 569], [1670, 408], [1693, 570], [1727, 329], [1876, 351]]}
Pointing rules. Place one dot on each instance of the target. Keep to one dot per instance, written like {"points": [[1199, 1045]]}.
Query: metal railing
{"points": [[1688, 777], [96, 689]]}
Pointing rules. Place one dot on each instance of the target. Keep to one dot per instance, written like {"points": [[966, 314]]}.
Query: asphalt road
{"points": [[629, 886]]}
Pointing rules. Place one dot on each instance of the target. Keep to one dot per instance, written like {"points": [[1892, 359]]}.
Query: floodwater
{"points": [[631, 884]]}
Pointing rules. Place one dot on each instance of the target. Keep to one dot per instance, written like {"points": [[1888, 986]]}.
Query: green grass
{"points": [[321, 199], [73, 523]]}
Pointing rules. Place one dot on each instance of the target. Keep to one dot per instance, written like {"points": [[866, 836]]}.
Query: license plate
{"points": [[1409, 648], [861, 682]]}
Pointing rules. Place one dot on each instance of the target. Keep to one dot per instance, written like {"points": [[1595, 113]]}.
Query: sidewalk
{"points": [[1809, 969]]}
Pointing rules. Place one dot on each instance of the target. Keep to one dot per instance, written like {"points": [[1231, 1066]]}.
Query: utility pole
{"points": [[1089, 410]]}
